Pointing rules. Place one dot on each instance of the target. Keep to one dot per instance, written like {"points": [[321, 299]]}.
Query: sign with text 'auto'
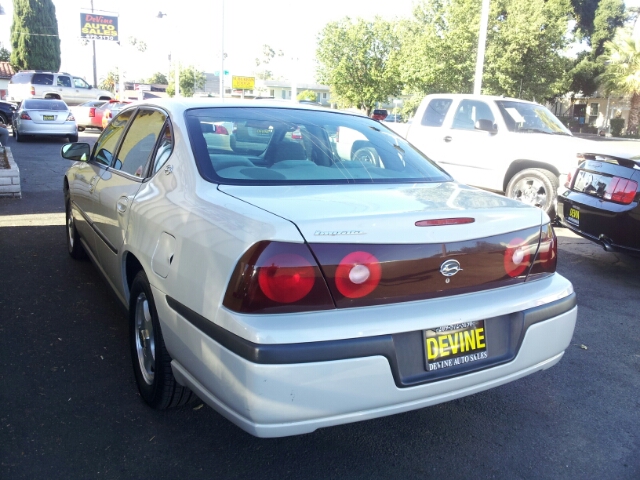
{"points": [[243, 83], [99, 27]]}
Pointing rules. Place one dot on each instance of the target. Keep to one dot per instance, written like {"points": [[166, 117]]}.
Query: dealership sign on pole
{"points": [[99, 27]]}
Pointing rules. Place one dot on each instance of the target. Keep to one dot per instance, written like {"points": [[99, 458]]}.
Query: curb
{"points": [[10, 179]]}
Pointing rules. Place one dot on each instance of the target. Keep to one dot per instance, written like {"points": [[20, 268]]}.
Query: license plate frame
{"points": [[50, 118], [452, 345]]}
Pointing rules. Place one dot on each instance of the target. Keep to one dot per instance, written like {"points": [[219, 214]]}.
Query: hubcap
{"points": [[530, 191], [145, 339], [70, 229]]}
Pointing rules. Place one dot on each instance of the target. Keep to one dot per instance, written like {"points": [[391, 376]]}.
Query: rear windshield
{"points": [[45, 105], [256, 146]]}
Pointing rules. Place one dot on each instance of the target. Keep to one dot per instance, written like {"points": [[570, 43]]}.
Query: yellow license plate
{"points": [[574, 214], [48, 117], [454, 345]]}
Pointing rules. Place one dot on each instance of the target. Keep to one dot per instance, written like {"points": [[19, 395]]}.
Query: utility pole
{"points": [[95, 74]]}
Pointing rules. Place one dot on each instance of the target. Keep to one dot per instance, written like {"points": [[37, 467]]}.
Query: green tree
{"points": [[268, 54], [5, 55], [308, 95], [34, 36], [622, 73], [159, 78], [190, 80], [359, 61], [110, 82]]}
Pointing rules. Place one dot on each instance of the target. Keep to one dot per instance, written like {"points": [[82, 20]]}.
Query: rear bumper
{"points": [[345, 384], [42, 129]]}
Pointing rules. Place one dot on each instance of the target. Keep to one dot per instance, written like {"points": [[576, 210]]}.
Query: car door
{"points": [[427, 131], [85, 178], [82, 91], [119, 185], [65, 89], [471, 156]]}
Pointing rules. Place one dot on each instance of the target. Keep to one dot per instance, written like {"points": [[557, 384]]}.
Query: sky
{"points": [[191, 32]]}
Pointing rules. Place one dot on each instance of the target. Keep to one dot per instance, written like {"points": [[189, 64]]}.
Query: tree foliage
{"points": [[359, 60], [34, 36], [159, 78], [268, 54], [5, 55], [190, 80], [110, 82], [622, 73], [308, 95]]}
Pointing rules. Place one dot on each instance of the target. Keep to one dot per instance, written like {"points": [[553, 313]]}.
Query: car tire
{"points": [[4, 119], [81, 129], [149, 357], [534, 186], [19, 137], [74, 247], [367, 155], [73, 138]]}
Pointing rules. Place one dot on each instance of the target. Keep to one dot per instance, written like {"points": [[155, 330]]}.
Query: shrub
{"points": [[617, 124]]}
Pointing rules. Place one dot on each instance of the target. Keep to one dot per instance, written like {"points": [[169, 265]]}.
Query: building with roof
{"points": [[6, 72]]}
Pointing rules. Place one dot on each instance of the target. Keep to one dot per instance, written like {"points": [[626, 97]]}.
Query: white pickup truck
{"points": [[507, 145]]}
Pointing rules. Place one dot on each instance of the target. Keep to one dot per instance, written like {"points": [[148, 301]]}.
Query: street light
{"points": [[176, 74]]}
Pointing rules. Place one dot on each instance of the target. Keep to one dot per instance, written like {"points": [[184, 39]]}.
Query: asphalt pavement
{"points": [[69, 407]]}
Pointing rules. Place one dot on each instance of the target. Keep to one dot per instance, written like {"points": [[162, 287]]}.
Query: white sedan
{"points": [[291, 287]]}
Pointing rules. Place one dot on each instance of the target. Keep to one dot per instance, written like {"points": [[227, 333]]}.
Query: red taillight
{"points": [[358, 274], [92, 112], [286, 277], [107, 114], [25, 116], [275, 277], [296, 134], [71, 118], [221, 130], [547, 258], [567, 184], [517, 257], [621, 190], [33, 91]]}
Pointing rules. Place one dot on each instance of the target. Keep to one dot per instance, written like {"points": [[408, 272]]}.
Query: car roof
{"points": [[179, 105], [471, 96]]}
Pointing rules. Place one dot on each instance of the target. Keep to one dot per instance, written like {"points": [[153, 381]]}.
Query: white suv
{"points": [[502, 144], [62, 86]]}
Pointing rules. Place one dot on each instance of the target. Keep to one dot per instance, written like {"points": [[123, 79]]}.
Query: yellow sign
{"points": [[243, 83]]}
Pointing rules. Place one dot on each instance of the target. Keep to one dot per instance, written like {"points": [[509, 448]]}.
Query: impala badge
{"points": [[450, 268]]}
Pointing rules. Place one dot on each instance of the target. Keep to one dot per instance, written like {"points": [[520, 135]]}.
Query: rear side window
{"points": [[42, 79], [140, 142], [435, 112], [22, 77], [108, 141], [64, 81]]}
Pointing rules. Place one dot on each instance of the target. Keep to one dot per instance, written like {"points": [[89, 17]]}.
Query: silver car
{"points": [[44, 117]]}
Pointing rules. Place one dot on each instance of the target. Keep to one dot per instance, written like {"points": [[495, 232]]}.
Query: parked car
{"points": [[506, 145], [44, 117], [89, 115], [292, 289], [7, 109], [394, 118], [602, 202], [110, 110], [379, 114], [62, 86]]}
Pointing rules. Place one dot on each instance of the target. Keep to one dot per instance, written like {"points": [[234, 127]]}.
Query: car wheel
{"points": [[151, 361], [534, 186], [19, 137], [81, 129], [73, 237], [368, 155], [4, 119], [73, 138]]}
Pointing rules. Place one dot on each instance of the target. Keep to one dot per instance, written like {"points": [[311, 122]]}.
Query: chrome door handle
{"points": [[447, 139], [122, 205]]}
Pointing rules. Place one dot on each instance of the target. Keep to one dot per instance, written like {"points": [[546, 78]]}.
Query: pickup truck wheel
{"points": [[534, 186], [151, 361], [367, 154]]}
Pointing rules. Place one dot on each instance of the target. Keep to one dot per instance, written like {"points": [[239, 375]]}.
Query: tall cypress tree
{"points": [[34, 36]]}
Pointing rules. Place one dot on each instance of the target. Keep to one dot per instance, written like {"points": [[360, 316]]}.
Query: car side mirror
{"points": [[78, 152], [486, 125]]}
